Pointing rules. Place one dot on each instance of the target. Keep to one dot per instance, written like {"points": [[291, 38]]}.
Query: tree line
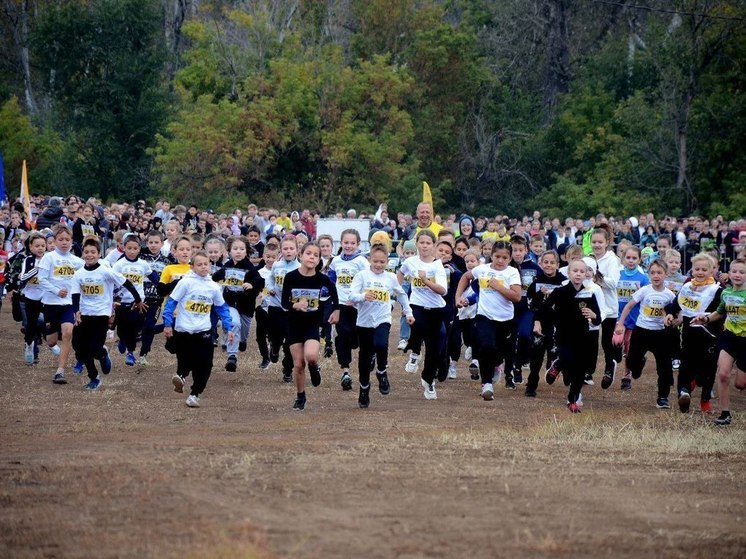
{"points": [[503, 106]]}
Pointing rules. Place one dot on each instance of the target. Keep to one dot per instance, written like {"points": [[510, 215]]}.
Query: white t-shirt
{"points": [[96, 289], [611, 269], [652, 306], [492, 304], [195, 296], [695, 300], [136, 272], [421, 294], [56, 271], [346, 270], [384, 287], [276, 280]]}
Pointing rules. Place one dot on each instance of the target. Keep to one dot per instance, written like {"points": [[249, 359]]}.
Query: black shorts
{"points": [[57, 315], [735, 346], [300, 332]]}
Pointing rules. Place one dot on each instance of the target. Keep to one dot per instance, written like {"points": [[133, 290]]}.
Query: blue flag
{"points": [[2, 181]]}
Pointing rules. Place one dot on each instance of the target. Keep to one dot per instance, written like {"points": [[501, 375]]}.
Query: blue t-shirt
{"points": [[629, 283]]}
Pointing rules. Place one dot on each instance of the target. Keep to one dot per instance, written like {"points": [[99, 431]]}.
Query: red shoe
{"points": [[705, 407], [574, 408], [552, 373]]}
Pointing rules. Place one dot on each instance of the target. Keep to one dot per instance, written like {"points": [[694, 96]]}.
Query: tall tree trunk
{"points": [[558, 55], [17, 15]]}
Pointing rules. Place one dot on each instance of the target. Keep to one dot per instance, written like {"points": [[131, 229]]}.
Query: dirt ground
{"points": [[130, 471]]}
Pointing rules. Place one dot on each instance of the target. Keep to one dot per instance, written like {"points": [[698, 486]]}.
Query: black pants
{"points": [[545, 346], [89, 338], [33, 330], [149, 328], [326, 328], [278, 334], [590, 352], [454, 340], [428, 328], [374, 343], [262, 331], [656, 342], [572, 361], [612, 353], [346, 339], [129, 324], [467, 334], [494, 340], [194, 353], [699, 360]]}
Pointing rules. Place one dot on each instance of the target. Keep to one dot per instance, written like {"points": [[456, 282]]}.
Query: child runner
{"points": [[449, 365], [649, 332], [428, 280], [194, 297], [326, 244], [93, 295], [674, 281], [573, 309], [524, 317], [409, 249], [372, 291], [182, 252], [129, 316], [278, 324], [301, 297], [56, 270], [610, 268], [631, 279], [732, 341], [157, 261], [546, 282], [172, 229], [698, 297], [32, 293], [241, 284], [467, 314], [342, 270], [262, 318], [499, 288]]}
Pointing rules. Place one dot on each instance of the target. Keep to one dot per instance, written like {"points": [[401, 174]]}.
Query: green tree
{"points": [[103, 63]]}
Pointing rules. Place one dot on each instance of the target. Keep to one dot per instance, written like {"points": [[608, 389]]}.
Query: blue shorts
{"points": [[57, 315]]}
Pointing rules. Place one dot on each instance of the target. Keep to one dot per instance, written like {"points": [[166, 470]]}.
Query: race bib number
{"points": [[234, 278], [653, 311], [92, 289], [484, 283], [379, 295], [690, 303], [135, 279], [344, 280], [310, 295], [279, 280], [198, 307], [64, 271]]}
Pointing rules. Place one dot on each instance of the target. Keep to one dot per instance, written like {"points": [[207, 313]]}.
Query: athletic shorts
{"points": [[300, 332], [57, 315], [735, 346]]}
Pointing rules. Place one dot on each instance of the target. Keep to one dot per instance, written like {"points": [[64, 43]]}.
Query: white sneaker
{"points": [[429, 393], [453, 370], [55, 349], [488, 392], [675, 364], [192, 401], [28, 353], [579, 401], [178, 383], [413, 363], [467, 354], [498, 374], [143, 361], [402, 345], [110, 335]]}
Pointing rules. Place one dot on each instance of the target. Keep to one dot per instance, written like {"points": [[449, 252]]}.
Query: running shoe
{"points": [[413, 363], [429, 393], [608, 379], [402, 345], [231, 364], [192, 401], [574, 407], [241, 346], [78, 367], [300, 402], [588, 379], [178, 383], [488, 393], [363, 400], [467, 353], [315, 372], [28, 353], [724, 419], [474, 369], [552, 373], [383, 382], [121, 347], [662, 404], [106, 362], [684, 401], [518, 376], [626, 384], [143, 361], [55, 349], [453, 370], [130, 359], [328, 351], [93, 385], [705, 407], [59, 378], [346, 381], [264, 364]]}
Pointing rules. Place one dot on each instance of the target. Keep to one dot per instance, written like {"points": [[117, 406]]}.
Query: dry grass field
{"points": [[130, 471]]}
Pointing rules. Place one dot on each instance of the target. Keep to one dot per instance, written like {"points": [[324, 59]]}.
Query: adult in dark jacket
{"points": [[51, 215]]}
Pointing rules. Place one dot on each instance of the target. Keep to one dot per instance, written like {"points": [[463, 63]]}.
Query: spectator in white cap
{"points": [[351, 213]]}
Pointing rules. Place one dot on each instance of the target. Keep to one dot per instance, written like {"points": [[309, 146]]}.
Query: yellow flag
{"points": [[25, 198], [426, 194]]}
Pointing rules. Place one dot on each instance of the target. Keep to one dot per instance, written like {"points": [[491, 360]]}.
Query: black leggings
{"points": [[655, 341], [428, 328], [194, 354], [612, 353], [278, 335], [699, 360], [546, 345], [89, 338], [494, 340], [129, 324], [33, 330], [374, 343], [346, 339], [262, 331]]}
